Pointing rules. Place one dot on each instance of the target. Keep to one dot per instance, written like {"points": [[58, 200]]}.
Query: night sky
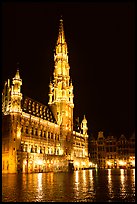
{"points": [[100, 39]]}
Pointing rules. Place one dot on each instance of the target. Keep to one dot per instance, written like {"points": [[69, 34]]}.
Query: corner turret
{"points": [[16, 95]]}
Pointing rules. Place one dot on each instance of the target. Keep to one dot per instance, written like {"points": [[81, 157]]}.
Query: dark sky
{"points": [[100, 39]]}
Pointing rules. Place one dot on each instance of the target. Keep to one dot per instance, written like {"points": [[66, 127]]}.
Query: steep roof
{"points": [[37, 109]]}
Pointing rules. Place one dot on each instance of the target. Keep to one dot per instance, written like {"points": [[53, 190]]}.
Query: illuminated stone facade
{"points": [[112, 152], [40, 138]]}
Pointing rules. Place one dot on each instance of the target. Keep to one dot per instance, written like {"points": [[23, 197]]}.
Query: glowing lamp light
{"points": [[18, 134], [90, 164], [40, 162], [77, 163], [83, 163], [61, 152], [133, 162], [25, 162], [109, 163], [122, 163]]}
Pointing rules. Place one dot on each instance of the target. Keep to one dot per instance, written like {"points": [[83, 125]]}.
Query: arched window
{"points": [[35, 149], [31, 150], [40, 150], [48, 150], [57, 151], [21, 147]]}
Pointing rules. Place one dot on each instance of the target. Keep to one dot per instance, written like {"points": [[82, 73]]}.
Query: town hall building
{"points": [[38, 137]]}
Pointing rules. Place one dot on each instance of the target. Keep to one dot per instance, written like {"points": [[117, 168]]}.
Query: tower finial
{"points": [[61, 36], [18, 64], [61, 18]]}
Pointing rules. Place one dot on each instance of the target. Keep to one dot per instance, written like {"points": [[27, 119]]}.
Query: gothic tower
{"points": [[61, 90], [11, 98], [15, 113]]}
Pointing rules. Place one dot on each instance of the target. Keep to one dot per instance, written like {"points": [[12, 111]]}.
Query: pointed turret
{"points": [[17, 82], [50, 91], [16, 95], [84, 126], [17, 76]]}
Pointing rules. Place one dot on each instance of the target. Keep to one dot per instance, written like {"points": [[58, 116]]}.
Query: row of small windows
{"points": [[119, 143], [123, 146], [107, 149], [119, 146], [34, 131], [123, 152], [110, 143], [79, 144], [100, 156], [79, 153], [110, 149], [42, 150]]}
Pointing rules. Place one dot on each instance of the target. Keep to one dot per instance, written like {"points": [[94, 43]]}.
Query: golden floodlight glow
{"points": [[109, 175], [109, 163], [122, 163], [25, 162], [90, 164], [40, 162], [83, 163], [133, 162], [77, 163], [61, 152], [18, 133], [77, 176]]}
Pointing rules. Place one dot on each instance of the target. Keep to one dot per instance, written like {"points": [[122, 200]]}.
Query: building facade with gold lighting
{"points": [[38, 137], [112, 152]]}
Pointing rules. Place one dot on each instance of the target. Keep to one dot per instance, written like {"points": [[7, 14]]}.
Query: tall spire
{"points": [[61, 36], [61, 47], [62, 89]]}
